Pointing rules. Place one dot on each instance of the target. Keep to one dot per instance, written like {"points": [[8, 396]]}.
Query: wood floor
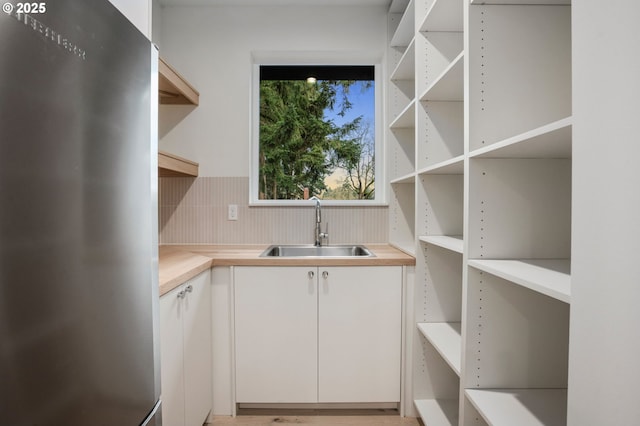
{"points": [[317, 417]]}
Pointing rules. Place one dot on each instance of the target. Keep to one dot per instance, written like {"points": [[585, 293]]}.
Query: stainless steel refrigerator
{"points": [[78, 217]]}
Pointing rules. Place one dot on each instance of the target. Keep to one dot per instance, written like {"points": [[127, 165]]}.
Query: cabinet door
{"points": [[359, 334], [198, 364], [171, 358], [276, 334]]}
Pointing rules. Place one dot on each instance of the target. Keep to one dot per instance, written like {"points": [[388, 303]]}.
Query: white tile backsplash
{"points": [[194, 211]]}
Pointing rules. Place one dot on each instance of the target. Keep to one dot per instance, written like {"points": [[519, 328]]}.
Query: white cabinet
{"points": [[276, 334], [185, 349], [359, 323], [309, 334]]}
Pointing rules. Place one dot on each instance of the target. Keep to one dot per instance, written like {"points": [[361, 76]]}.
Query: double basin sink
{"points": [[317, 251]]}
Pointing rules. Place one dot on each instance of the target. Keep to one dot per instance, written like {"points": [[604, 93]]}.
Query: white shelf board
{"points": [[408, 178], [407, 64], [452, 166], [523, 2], [406, 247], [438, 412], [521, 407], [446, 339], [444, 15], [449, 85], [550, 277], [406, 118], [405, 31], [449, 242], [552, 140]]}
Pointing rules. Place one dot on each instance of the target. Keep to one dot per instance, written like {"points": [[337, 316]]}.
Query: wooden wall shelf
{"points": [[173, 88], [170, 165]]}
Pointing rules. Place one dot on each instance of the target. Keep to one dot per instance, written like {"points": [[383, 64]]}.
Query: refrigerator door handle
{"points": [[152, 415]]}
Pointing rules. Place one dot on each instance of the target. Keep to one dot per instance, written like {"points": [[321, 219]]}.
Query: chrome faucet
{"points": [[319, 234]]}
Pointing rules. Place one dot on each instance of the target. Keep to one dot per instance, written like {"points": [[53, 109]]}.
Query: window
{"points": [[315, 134]]}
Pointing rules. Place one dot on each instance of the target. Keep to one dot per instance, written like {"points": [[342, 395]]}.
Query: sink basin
{"points": [[313, 251]]}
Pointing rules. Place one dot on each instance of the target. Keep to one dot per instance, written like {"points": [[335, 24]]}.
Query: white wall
{"points": [[604, 364], [212, 47], [156, 22], [138, 12]]}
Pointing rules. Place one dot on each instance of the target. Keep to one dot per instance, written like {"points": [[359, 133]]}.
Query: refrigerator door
{"points": [[78, 218]]}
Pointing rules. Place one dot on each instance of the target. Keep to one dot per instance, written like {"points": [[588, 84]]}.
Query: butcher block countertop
{"points": [[179, 263]]}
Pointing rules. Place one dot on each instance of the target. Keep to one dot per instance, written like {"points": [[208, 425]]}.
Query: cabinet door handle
{"points": [[325, 274], [311, 274], [189, 288], [181, 294]]}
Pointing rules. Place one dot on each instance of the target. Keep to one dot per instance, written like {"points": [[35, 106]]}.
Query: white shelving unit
{"points": [[513, 337], [518, 283], [440, 412], [401, 108], [453, 243], [409, 178], [552, 140], [519, 74], [453, 166], [550, 277], [519, 208], [480, 123], [439, 84], [443, 16], [522, 2], [445, 338], [406, 118], [522, 407], [405, 70], [440, 136], [405, 29], [402, 213], [437, 203], [448, 86]]}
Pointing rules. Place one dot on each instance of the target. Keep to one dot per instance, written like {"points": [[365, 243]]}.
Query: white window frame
{"points": [[316, 58]]}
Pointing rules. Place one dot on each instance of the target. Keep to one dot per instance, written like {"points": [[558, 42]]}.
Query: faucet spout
{"points": [[319, 235], [318, 209]]}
